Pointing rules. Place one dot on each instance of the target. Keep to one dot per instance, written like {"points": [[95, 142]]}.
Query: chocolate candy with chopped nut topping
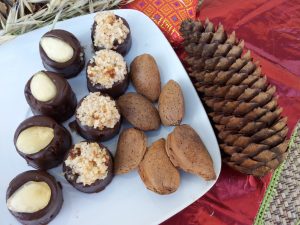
{"points": [[97, 117], [89, 176], [123, 46], [107, 73], [50, 94], [42, 142], [34, 197], [61, 52]]}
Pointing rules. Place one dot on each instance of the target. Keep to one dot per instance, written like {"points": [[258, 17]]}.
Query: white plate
{"points": [[125, 200]]}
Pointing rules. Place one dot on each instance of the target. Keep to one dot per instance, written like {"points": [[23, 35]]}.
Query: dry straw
{"points": [[27, 15]]}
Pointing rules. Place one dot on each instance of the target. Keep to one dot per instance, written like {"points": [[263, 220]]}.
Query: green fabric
{"points": [[264, 207]]}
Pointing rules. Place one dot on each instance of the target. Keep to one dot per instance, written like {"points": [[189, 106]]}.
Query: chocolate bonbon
{"points": [[88, 167], [107, 73], [49, 94], [110, 31], [34, 197], [61, 52], [97, 117], [42, 142]]}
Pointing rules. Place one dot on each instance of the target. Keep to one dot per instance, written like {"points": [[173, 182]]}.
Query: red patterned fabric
{"points": [[271, 30], [167, 14]]}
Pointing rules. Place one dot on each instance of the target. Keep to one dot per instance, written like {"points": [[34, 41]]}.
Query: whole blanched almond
{"points": [[30, 197], [34, 139], [145, 76], [42, 87], [187, 152], [156, 170], [131, 148], [56, 49], [139, 111], [171, 104]]}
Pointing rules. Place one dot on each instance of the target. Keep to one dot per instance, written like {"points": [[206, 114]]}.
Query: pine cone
{"points": [[241, 103]]}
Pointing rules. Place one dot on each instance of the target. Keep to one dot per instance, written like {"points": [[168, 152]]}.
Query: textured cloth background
{"points": [[271, 30], [282, 199]]}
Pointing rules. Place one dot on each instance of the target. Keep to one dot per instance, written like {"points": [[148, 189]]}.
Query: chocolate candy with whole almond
{"points": [[42, 142], [34, 197], [61, 52], [50, 94]]}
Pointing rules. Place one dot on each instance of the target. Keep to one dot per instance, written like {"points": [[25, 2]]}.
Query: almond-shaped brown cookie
{"points": [[145, 76], [187, 152], [171, 104], [156, 170], [139, 111], [132, 145]]}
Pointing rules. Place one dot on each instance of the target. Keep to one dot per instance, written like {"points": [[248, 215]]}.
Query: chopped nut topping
{"points": [[109, 30], [108, 68], [90, 164], [98, 111], [74, 153]]}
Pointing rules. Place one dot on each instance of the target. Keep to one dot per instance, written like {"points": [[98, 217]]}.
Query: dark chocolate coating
{"points": [[53, 154], [70, 68], [115, 91], [94, 134], [122, 48], [61, 107], [98, 185], [45, 215]]}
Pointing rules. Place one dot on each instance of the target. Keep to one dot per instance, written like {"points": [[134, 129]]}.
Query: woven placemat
{"points": [[281, 204]]}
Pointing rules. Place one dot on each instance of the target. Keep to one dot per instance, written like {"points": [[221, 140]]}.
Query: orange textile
{"points": [[168, 15]]}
